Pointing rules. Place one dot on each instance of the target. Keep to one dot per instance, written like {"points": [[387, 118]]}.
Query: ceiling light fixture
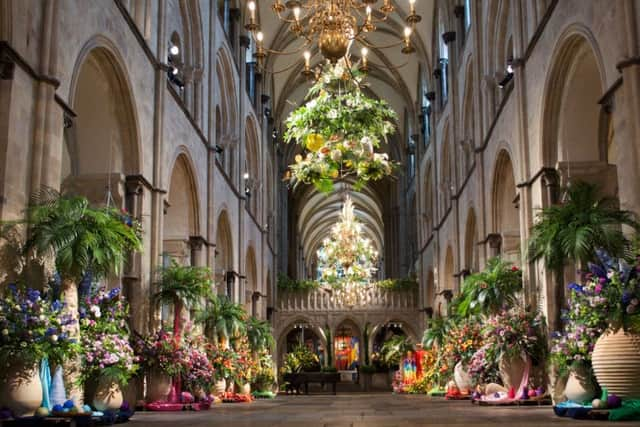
{"points": [[332, 25]]}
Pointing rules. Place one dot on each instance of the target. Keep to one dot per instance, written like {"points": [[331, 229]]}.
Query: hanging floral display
{"points": [[346, 255], [339, 127]]}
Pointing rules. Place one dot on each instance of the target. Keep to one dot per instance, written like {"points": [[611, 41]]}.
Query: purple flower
{"points": [[576, 287], [626, 297], [598, 288]]}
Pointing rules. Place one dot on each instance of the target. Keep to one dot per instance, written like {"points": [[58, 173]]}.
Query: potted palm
{"points": [[81, 238], [183, 287], [223, 321]]}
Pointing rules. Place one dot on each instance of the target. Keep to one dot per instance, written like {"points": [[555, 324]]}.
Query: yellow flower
{"points": [[333, 173], [314, 142], [298, 158]]}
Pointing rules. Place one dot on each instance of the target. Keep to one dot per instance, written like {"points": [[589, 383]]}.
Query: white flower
{"points": [[332, 114], [5, 332], [312, 103], [41, 317], [54, 338]]}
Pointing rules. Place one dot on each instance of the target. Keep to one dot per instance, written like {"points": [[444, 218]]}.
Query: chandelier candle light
{"points": [[333, 25]]}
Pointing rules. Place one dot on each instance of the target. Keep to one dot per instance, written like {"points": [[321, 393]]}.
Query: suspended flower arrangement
{"points": [[339, 128], [347, 259]]}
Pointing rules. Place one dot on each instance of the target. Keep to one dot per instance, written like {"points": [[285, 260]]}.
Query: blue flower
{"points": [[114, 293], [597, 270], [33, 295], [56, 305], [50, 331], [626, 297], [576, 287]]}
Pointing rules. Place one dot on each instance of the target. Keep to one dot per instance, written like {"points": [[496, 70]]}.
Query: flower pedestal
{"points": [[21, 392], [108, 396], [616, 363]]}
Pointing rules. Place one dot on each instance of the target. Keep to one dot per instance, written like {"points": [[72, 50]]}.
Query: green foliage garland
{"points": [[340, 127]]}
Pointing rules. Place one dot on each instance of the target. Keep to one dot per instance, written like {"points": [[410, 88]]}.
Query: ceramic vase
{"points": [[616, 363], [21, 391], [221, 386], [462, 377], [108, 395], [158, 386], [579, 387], [512, 370]]}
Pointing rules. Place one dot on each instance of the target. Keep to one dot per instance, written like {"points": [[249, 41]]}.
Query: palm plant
{"points": [[222, 319], [182, 286], [394, 349], [79, 237], [259, 335], [488, 291], [437, 329], [573, 230]]}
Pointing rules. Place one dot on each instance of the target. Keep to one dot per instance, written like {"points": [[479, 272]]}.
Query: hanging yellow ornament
{"points": [[314, 142]]}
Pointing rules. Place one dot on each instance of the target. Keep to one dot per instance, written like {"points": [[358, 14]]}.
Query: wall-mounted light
{"points": [[174, 50]]}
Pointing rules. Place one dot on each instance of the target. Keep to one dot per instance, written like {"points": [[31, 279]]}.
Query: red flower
{"points": [[514, 268]]}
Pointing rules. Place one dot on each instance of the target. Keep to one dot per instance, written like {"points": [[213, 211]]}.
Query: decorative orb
{"points": [[333, 43], [533, 393], [57, 408], [613, 401], [540, 391], [87, 408], [597, 404], [42, 412], [66, 410], [68, 404]]}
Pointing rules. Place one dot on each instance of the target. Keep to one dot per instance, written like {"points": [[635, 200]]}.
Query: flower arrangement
{"points": [[340, 127], [264, 377], [462, 341], [223, 361], [33, 327], [199, 372], [245, 365], [514, 332], [160, 350], [106, 350], [483, 366]]}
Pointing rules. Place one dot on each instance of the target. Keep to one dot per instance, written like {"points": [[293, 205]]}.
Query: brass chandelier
{"points": [[333, 25]]}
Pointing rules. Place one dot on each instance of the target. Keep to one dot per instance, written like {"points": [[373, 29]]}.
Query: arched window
{"points": [[425, 115]]}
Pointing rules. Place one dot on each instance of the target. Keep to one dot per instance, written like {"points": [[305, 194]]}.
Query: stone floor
{"points": [[354, 410]]}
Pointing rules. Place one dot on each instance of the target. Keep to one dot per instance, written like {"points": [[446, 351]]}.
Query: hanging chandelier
{"points": [[346, 256], [332, 25]]}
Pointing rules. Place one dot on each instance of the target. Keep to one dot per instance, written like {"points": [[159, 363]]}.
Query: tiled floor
{"points": [[366, 410]]}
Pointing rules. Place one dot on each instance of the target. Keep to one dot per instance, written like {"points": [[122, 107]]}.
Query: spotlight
{"points": [[246, 175], [174, 71], [174, 50]]}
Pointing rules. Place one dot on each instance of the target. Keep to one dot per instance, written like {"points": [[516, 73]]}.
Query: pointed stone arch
{"points": [[251, 283], [225, 260], [102, 146], [471, 242], [504, 208], [252, 163], [182, 207], [228, 105]]}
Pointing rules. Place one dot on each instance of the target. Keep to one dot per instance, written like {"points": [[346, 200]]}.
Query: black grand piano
{"points": [[298, 379]]}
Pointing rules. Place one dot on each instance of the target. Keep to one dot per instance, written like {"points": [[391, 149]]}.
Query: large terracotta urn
{"points": [[158, 386], [616, 363], [462, 377], [580, 386], [21, 390], [108, 395], [512, 370]]}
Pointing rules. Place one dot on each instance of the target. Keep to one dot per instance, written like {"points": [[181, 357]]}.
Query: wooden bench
{"points": [[296, 380]]}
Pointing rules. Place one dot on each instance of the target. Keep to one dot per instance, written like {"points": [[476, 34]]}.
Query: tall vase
{"points": [[616, 363], [108, 395], [176, 389], [512, 370], [21, 391]]}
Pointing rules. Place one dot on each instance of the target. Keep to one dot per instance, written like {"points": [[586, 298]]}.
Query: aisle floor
{"points": [[359, 410]]}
